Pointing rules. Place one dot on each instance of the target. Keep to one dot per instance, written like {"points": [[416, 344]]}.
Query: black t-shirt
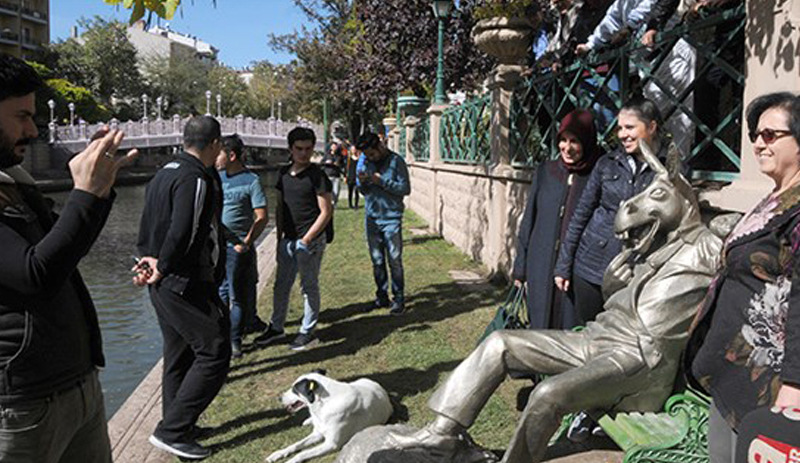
{"points": [[300, 208]]}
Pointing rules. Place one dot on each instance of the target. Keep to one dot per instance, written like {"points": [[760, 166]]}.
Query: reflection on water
{"points": [[131, 336]]}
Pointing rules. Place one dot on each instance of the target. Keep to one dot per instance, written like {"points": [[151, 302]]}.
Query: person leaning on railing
{"points": [[744, 347]]}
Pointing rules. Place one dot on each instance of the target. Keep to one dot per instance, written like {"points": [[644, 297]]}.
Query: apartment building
{"points": [[24, 26]]}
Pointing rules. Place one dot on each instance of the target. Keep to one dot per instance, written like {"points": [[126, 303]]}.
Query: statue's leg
{"points": [[466, 391], [600, 383]]}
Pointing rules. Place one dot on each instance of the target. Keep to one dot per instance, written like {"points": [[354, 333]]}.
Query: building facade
{"points": [[24, 26]]}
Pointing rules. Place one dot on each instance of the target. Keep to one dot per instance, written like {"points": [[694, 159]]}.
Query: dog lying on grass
{"points": [[338, 411]]}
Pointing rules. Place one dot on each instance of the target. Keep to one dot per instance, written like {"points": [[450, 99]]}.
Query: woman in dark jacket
{"points": [[554, 192], [590, 243], [745, 343]]}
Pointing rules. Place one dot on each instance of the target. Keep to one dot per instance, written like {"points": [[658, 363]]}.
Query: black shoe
{"points": [[398, 308], [190, 450], [269, 336], [302, 341], [258, 325], [381, 303]]}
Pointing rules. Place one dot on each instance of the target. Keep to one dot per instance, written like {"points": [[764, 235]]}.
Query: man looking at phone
{"points": [[383, 180], [51, 402], [183, 264]]}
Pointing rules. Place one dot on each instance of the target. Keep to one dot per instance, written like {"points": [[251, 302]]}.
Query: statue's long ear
{"points": [[652, 160]]}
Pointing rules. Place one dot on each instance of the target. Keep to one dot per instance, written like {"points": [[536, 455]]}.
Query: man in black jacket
{"points": [[183, 265], [51, 403]]}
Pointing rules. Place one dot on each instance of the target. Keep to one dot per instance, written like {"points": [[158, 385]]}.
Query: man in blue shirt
{"points": [[244, 214], [383, 180]]}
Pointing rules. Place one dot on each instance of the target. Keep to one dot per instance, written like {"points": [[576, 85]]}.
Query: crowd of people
{"points": [[205, 211]]}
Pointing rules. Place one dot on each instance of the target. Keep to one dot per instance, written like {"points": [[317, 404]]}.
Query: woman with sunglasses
{"points": [[744, 348], [590, 243]]}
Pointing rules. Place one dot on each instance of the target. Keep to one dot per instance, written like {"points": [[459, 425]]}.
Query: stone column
{"points": [[411, 132], [435, 112], [772, 32], [390, 123]]}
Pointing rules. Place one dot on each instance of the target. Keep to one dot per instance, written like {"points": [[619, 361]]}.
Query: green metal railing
{"points": [[607, 79], [464, 137], [421, 144]]}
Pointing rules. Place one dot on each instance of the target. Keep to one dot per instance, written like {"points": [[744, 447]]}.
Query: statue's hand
{"points": [[618, 274]]}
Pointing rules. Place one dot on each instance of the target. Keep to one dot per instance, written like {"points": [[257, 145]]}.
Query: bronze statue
{"points": [[626, 360]]}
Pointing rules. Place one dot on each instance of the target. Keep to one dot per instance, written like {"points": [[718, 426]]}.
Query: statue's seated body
{"points": [[626, 360]]}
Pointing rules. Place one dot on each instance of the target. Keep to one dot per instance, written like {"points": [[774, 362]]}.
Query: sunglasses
{"points": [[768, 135]]}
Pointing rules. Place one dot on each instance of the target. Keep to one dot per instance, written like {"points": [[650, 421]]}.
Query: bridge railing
{"points": [[166, 132]]}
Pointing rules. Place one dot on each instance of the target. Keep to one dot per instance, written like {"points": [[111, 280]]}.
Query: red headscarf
{"points": [[580, 123]]}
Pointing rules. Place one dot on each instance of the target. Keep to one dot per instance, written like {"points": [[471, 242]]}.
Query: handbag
{"points": [[511, 315]]}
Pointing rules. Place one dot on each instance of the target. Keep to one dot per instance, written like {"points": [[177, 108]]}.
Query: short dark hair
{"points": [[786, 101], [234, 144], [17, 78], [647, 111], [201, 131], [367, 140], [301, 134]]}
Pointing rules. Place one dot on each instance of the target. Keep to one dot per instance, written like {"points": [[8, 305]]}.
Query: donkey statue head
{"points": [[660, 213]]}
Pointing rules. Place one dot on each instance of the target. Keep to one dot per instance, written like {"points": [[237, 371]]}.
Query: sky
{"points": [[238, 28]]}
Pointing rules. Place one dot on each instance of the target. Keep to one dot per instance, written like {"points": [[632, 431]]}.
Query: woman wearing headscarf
{"points": [[554, 193]]}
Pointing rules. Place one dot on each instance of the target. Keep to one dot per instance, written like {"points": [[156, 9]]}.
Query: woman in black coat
{"points": [[554, 192], [590, 243]]}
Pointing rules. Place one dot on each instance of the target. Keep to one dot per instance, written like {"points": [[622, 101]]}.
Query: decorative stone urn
{"points": [[412, 105], [509, 41]]}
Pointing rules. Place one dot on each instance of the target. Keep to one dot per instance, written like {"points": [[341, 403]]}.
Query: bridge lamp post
{"points": [[280, 108], [159, 102], [208, 102], [71, 107], [144, 106], [219, 106], [52, 105], [441, 10]]}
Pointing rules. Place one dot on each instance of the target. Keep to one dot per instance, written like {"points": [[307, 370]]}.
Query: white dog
{"points": [[338, 411]]}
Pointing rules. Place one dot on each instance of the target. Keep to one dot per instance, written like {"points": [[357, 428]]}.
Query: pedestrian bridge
{"points": [[158, 133]]}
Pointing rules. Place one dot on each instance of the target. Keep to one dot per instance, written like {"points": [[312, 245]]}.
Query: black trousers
{"points": [[197, 352], [588, 299], [352, 195]]}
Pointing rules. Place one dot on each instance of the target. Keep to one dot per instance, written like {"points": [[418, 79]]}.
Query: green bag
{"points": [[511, 315]]}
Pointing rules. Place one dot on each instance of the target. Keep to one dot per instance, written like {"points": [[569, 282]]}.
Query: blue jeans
{"points": [[238, 290], [294, 258], [385, 239]]}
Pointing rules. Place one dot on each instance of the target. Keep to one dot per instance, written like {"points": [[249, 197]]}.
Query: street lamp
{"points": [[52, 105], [272, 87], [144, 106], [219, 106], [280, 107], [159, 102], [71, 107], [441, 10], [208, 102]]}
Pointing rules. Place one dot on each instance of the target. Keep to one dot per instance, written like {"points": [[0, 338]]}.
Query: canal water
{"points": [[131, 336]]}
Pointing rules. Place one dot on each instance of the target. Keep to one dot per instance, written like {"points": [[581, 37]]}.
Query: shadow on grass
{"points": [[291, 421], [434, 303]]}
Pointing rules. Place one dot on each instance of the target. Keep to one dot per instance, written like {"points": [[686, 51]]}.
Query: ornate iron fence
{"points": [[421, 144], [701, 102], [465, 131]]}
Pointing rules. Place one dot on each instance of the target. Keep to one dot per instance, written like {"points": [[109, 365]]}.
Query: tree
{"points": [[102, 60], [182, 81], [235, 96]]}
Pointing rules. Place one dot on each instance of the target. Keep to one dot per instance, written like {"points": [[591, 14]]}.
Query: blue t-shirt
{"points": [[241, 194]]}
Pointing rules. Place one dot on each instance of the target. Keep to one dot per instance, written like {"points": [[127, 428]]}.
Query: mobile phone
{"points": [[137, 260]]}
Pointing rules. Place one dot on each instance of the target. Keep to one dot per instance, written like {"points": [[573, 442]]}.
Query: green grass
{"points": [[408, 355]]}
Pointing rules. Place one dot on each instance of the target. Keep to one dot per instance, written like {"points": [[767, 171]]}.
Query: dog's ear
{"points": [[320, 371], [306, 388]]}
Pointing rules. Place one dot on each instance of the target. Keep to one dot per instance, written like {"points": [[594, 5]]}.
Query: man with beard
{"points": [[51, 401]]}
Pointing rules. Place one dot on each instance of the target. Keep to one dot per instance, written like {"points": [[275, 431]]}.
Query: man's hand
{"points": [[562, 284], [649, 38], [241, 248], [95, 169], [519, 283], [788, 396], [582, 49], [146, 271], [376, 178], [620, 36]]}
